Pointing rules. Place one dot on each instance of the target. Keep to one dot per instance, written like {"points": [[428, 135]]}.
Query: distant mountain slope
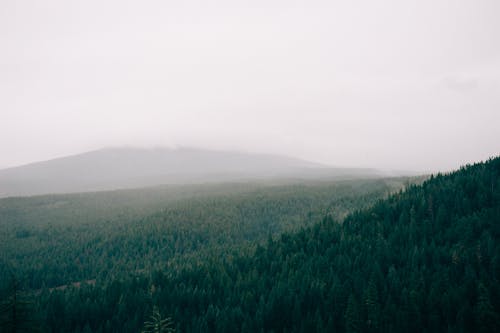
{"points": [[115, 168], [426, 259]]}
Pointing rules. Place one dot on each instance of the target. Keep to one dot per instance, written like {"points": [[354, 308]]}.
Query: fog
{"points": [[411, 85], [120, 168]]}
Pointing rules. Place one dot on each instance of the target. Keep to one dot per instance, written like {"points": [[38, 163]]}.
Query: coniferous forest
{"points": [[388, 255]]}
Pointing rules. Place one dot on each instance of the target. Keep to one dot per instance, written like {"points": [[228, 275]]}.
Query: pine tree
{"points": [[157, 324], [352, 316], [486, 319], [16, 311], [372, 307]]}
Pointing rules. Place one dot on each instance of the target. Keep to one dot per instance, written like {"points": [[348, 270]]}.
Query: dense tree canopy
{"points": [[425, 259], [52, 241]]}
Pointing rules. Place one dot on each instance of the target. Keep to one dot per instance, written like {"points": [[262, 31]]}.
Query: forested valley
{"points": [[379, 255]]}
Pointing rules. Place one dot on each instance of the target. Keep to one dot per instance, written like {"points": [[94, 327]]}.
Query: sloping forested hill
{"points": [[56, 245], [51, 241], [426, 259]]}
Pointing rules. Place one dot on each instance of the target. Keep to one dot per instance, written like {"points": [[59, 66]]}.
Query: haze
{"points": [[411, 85]]}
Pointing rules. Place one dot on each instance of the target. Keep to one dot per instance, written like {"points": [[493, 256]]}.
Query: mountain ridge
{"points": [[126, 167]]}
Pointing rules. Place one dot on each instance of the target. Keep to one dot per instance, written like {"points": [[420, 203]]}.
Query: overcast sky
{"points": [[388, 84]]}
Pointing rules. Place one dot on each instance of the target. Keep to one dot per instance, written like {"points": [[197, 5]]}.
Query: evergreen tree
{"points": [[17, 311], [486, 319], [353, 316], [157, 324], [372, 307]]}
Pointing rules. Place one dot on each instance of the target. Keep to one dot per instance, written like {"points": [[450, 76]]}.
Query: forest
{"points": [[379, 255]]}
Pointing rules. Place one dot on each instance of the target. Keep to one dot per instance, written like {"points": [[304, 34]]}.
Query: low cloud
{"points": [[461, 83]]}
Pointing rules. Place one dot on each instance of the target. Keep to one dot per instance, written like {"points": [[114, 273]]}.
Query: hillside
{"points": [[119, 168], [87, 235], [426, 259]]}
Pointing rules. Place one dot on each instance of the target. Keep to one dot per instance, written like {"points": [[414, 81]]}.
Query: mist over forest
{"points": [[262, 166], [119, 168]]}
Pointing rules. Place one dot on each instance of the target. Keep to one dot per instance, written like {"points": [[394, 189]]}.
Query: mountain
{"points": [[116, 168], [424, 259]]}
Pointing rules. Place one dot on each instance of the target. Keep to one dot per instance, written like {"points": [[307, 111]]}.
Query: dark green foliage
{"points": [[372, 307], [157, 324], [56, 240], [426, 259], [486, 317], [353, 316], [17, 312]]}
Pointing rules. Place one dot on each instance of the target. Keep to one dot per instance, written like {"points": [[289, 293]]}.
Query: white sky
{"points": [[388, 84]]}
